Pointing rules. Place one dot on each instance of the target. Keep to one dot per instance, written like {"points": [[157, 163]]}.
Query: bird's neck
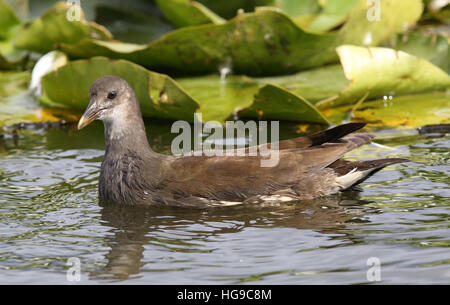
{"points": [[126, 133]]}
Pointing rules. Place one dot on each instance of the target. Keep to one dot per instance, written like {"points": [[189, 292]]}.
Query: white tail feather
{"points": [[353, 176]]}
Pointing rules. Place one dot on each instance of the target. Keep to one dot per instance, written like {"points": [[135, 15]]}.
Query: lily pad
{"points": [[162, 97], [54, 27], [220, 97], [409, 110], [266, 42], [159, 95], [8, 19], [10, 58], [376, 72], [131, 25], [296, 8], [17, 104], [23, 108], [273, 102], [341, 84], [334, 13], [185, 13], [432, 47], [13, 82], [370, 25], [359, 77]]}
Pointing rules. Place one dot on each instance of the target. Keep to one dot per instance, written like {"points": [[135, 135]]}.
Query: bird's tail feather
{"points": [[352, 173]]}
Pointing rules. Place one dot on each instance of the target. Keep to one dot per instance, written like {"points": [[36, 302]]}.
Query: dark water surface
{"points": [[50, 213]]}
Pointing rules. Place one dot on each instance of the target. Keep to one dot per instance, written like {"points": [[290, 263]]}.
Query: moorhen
{"points": [[133, 174]]}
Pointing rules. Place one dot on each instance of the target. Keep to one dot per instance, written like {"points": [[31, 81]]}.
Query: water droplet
{"points": [[224, 70], [367, 39]]}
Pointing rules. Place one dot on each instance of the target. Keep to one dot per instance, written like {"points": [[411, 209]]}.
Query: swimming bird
{"points": [[133, 174]]}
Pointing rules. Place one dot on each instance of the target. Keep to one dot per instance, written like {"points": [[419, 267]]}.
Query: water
{"points": [[50, 213]]}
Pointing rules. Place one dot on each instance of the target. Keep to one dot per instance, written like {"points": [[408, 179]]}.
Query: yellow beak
{"points": [[88, 117]]}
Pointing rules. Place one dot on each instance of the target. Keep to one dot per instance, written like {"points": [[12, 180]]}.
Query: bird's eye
{"points": [[112, 95]]}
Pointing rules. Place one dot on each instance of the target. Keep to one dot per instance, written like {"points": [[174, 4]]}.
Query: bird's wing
{"points": [[326, 136], [238, 177]]}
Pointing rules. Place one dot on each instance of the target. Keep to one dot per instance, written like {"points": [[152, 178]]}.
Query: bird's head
{"points": [[109, 97]]}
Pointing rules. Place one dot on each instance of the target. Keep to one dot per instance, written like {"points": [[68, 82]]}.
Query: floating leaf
{"points": [[17, 104], [23, 108], [8, 19], [372, 25], [47, 63], [433, 47], [265, 42], [273, 102], [10, 58], [359, 77], [333, 14], [220, 97], [160, 96], [54, 27], [301, 12], [377, 72], [185, 13], [133, 26], [295, 8], [13, 82], [409, 110]]}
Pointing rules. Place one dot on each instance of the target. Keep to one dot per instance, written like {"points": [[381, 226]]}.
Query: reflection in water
{"points": [[134, 227]]}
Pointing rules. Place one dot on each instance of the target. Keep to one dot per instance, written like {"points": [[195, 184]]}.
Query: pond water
{"points": [[49, 212]]}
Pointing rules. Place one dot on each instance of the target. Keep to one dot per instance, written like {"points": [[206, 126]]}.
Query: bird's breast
{"points": [[121, 179]]}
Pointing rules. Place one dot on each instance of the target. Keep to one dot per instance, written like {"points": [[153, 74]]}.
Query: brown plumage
{"points": [[132, 173]]}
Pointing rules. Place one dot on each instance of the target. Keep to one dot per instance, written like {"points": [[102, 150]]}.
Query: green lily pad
{"points": [[341, 84], [334, 13], [273, 102], [162, 97], [23, 108], [363, 26], [159, 95], [296, 8], [8, 19], [265, 42], [433, 47], [54, 27], [186, 13], [13, 82], [314, 85], [17, 104], [219, 97], [10, 57], [409, 110], [131, 25], [376, 72]]}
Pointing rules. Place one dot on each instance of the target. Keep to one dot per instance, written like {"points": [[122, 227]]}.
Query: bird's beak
{"points": [[91, 114]]}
